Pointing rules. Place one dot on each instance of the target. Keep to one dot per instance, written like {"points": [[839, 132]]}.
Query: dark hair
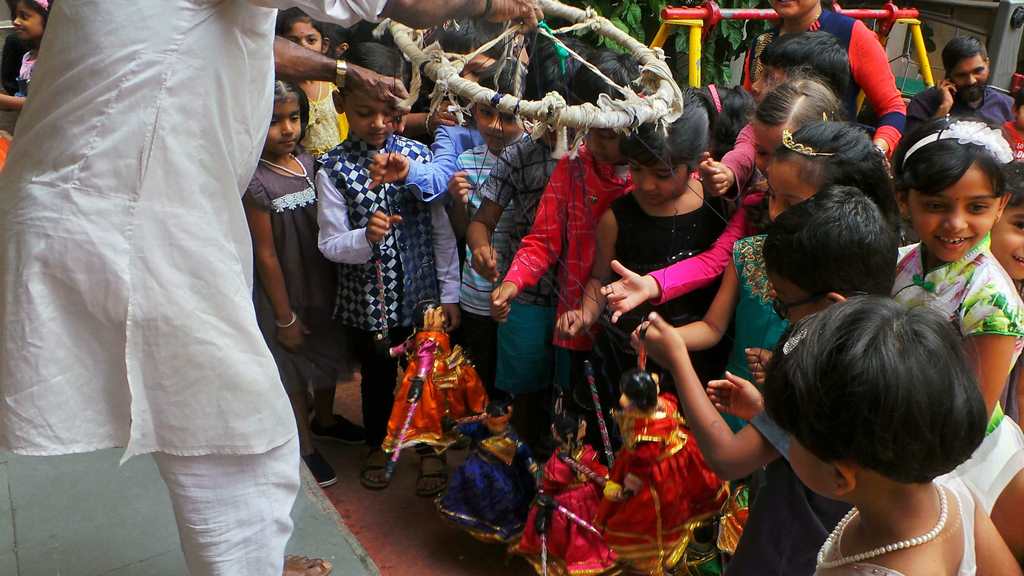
{"points": [[546, 74], [836, 241], [335, 36], [798, 102], [683, 143], [941, 164], [35, 7], [640, 387], [380, 58], [959, 49], [497, 408], [288, 17], [737, 106], [1013, 176], [284, 91], [888, 387], [854, 161], [566, 425], [507, 75], [1018, 100], [620, 68], [817, 54]]}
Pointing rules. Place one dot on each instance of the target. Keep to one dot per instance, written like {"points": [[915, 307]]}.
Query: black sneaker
{"points": [[343, 431], [321, 470]]}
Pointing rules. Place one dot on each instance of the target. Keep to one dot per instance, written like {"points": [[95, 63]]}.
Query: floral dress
{"points": [[978, 297]]}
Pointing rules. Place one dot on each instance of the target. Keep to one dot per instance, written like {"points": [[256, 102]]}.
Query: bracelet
{"points": [[295, 318], [340, 74]]}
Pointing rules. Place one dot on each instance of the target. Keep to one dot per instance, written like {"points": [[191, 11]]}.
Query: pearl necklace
{"points": [[834, 537], [288, 171]]}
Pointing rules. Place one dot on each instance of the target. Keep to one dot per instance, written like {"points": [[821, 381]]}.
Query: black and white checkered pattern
{"points": [[406, 256]]}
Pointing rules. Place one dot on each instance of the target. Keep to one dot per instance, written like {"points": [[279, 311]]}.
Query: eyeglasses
{"points": [[782, 308]]}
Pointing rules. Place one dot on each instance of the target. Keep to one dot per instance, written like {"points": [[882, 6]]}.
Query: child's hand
{"points": [[388, 168], [757, 361], [662, 341], [459, 187], [571, 323], [485, 262], [736, 396], [501, 300], [379, 226], [453, 317], [629, 291], [716, 177], [631, 485], [294, 336], [441, 118]]}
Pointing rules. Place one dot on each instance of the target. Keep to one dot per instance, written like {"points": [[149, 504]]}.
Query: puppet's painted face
{"points": [[498, 424], [434, 319]]}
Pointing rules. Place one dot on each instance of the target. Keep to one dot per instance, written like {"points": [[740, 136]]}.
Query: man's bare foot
{"points": [[302, 566]]}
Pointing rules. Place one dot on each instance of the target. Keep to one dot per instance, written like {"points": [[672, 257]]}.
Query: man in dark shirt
{"points": [[964, 91]]}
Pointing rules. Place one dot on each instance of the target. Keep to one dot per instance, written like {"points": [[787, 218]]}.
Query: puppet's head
{"points": [[430, 316], [498, 414], [639, 390], [568, 429]]}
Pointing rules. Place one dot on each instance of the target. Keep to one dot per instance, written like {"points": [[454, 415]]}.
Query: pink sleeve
{"points": [[741, 158], [425, 358], [540, 248], [701, 270]]}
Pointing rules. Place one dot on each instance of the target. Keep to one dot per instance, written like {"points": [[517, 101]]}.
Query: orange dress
{"points": [[652, 528], [5, 145], [451, 389]]}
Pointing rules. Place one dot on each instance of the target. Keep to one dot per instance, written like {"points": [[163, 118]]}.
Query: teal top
{"points": [[756, 323]]}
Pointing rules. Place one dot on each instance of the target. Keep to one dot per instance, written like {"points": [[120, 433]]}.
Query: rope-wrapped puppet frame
{"points": [[661, 101]]}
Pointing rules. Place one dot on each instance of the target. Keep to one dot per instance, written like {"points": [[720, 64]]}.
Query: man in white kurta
{"points": [[126, 314]]}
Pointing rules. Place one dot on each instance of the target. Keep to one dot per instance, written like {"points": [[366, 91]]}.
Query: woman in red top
{"points": [[869, 65]]}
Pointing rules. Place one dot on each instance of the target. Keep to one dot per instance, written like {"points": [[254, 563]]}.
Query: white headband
{"points": [[969, 132]]}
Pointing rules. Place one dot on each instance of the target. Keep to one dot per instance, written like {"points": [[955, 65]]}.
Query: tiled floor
{"points": [[83, 515]]}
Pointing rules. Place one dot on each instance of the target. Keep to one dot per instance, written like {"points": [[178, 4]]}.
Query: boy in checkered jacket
{"points": [[394, 250]]}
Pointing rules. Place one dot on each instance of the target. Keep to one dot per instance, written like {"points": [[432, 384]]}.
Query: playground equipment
{"points": [[701, 20]]}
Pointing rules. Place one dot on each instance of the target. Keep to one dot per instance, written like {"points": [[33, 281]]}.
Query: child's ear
{"points": [[1002, 205], [844, 479], [903, 201]]}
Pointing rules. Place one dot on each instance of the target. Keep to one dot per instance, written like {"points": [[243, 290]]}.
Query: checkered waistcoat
{"points": [[406, 255]]}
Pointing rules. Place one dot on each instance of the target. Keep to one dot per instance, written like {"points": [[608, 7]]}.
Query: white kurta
{"points": [[126, 314]]}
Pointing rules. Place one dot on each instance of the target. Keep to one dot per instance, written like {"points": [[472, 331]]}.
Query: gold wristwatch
{"points": [[341, 74]]}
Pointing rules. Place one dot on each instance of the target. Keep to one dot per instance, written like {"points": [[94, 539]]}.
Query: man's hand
{"points": [[485, 262], [384, 88], [453, 317], [459, 187], [388, 168], [379, 225], [441, 117], [629, 291], [501, 300], [947, 92], [716, 177], [527, 11], [662, 341], [736, 396]]}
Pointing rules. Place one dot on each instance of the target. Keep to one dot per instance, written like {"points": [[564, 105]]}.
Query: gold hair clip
{"points": [[788, 142]]}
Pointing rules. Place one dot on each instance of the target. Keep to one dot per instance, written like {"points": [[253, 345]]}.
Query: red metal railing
{"points": [[712, 14]]}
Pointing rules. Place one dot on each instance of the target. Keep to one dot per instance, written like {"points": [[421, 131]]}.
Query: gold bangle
{"points": [[341, 74]]}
